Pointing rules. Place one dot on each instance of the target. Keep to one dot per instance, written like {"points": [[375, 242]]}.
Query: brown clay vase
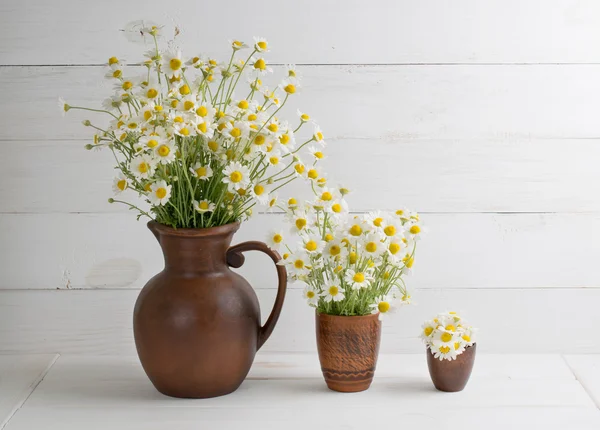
{"points": [[348, 349], [197, 323], [451, 376]]}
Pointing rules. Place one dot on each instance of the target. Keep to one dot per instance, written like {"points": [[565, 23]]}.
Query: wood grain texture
{"points": [[511, 175], [318, 32], [19, 376], [72, 251], [371, 102], [99, 322]]}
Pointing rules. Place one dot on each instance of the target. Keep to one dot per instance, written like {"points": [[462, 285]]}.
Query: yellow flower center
{"points": [[450, 327], [143, 167], [311, 245], [371, 247], [273, 127], [236, 176], [203, 205], [184, 131], [292, 202], [298, 264], [337, 208], [335, 250], [359, 277], [290, 88], [122, 184], [260, 64], [383, 307], [213, 146], [243, 104], [326, 196], [319, 136], [274, 160], [252, 117], [355, 230], [259, 139], [188, 105], [175, 64], [185, 90], [318, 154], [262, 45], [235, 132], [284, 139], [310, 294], [446, 337], [353, 257], [466, 338], [161, 193], [202, 127], [202, 111], [394, 248], [300, 223], [201, 171], [390, 230], [277, 238], [299, 168], [313, 174], [259, 189], [444, 349], [304, 117], [132, 125], [151, 93], [428, 331], [241, 192], [117, 74], [127, 85], [113, 60], [333, 290], [415, 229], [147, 115]]}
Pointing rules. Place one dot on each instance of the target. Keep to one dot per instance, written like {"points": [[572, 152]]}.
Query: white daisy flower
{"points": [[358, 279], [165, 152], [172, 63], [428, 327], [120, 183], [357, 227], [260, 66], [290, 86], [112, 103], [338, 208], [237, 130], [206, 112], [204, 128], [443, 352], [333, 291], [236, 176], [318, 135], [311, 296], [275, 239], [237, 45], [292, 72], [63, 105], [335, 250], [316, 153], [372, 246], [160, 193], [299, 219], [261, 44], [261, 193], [313, 243], [203, 206], [468, 336], [150, 91], [151, 141], [142, 166], [201, 171], [383, 306], [298, 263], [304, 117], [414, 230]]}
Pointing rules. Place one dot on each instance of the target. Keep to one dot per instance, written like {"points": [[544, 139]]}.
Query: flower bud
{"points": [[86, 122]]}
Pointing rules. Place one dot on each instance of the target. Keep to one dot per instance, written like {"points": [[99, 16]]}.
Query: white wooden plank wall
{"points": [[481, 115]]}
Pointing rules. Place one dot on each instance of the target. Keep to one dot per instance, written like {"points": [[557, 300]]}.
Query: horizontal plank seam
{"points": [[103, 213], [32, 388], [562, 288], [583, 384], [342, 64]]}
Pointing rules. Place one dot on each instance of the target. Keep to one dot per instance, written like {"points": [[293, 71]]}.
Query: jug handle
{"points": [[236, 259]]}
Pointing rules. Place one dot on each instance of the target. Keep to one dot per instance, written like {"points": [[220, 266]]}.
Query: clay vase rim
{"points": [[221, 230], [354, 317]]}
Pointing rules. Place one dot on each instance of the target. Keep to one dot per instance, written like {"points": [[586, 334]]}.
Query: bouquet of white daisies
{"points": [[197, 139], [350, 264], [447, 335]]}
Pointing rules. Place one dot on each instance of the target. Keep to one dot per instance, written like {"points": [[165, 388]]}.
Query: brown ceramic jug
{"points": [[197, 323]]}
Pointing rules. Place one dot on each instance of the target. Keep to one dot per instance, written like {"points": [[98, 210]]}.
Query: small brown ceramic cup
{"points": [[451, 376]]}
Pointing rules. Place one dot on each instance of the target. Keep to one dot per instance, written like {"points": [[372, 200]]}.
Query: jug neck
{"points": [[189, 252]]}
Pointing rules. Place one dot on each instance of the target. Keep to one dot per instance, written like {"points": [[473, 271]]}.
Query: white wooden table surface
{"points": [[287, 391]]}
